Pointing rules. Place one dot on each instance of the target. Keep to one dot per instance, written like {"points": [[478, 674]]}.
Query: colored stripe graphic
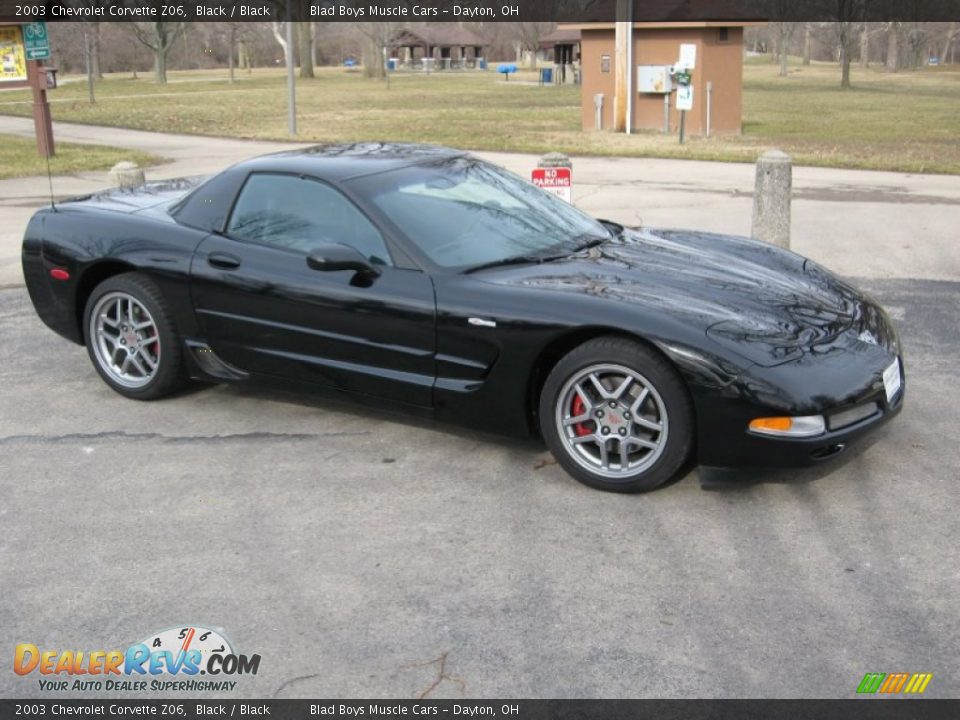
{"points": [[893, 683], [918, 683], [871, 682]]}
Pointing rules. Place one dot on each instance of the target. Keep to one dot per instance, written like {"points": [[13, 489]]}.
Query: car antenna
{"points": [[53, 205]]}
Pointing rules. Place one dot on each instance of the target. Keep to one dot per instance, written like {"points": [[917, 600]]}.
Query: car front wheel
{"points": [[617, 416], [132, 339]]}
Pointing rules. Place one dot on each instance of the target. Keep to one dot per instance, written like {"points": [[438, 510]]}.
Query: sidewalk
{"points": [[858, 223]]}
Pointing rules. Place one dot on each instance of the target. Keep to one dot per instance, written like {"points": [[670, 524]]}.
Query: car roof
{"points": [[339, 162]]}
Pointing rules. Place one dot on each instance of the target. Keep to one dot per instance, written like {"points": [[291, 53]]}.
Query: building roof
{"points": [[562, 36], [437, 36], [585, 26]]}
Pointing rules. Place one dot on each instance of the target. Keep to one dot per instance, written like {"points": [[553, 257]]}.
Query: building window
{"points": [[604, 63], [723, 35]]}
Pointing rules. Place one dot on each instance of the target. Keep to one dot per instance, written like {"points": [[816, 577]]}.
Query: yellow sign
{"points": [[13, 64]]}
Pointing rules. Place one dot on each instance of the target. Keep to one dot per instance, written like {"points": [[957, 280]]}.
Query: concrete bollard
{"points": [[555, 175], [555, 160], [126, 174], [771, 198]]}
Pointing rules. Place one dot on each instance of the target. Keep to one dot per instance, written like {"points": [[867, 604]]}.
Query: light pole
{"points": [[291, 85]]}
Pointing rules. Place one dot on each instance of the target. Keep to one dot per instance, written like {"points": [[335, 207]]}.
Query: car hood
{"points": [[766, 303]]}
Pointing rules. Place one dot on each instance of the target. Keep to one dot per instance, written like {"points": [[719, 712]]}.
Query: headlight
{"points": [[797, 427]]}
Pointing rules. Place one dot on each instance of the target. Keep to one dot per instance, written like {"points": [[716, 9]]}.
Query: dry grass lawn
{"points": [[907, 121]]}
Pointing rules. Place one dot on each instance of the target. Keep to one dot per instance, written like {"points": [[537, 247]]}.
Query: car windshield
{"points": [[464, 213]]}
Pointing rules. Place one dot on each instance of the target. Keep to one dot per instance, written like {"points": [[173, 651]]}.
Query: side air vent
{"points": [[211, 363]]}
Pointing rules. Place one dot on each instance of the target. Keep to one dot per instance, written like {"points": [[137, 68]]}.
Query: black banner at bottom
{"points": [[870, 708]]}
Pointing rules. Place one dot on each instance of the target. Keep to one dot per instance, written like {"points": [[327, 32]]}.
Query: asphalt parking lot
{"points": [[362, 554]]}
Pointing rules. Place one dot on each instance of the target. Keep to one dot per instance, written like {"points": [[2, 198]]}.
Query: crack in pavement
{"points": [[441, 675], [173, 439], [825, 193], [291, 681]]}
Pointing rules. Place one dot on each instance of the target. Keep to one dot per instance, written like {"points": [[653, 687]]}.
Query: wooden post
{"points": [[42, 121]]}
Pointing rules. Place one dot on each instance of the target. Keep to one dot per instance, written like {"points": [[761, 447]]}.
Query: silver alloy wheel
{"points": [[612, 421], [125, 340]]}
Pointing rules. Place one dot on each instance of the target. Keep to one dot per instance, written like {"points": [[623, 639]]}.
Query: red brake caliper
{"points": [[576, 410]]}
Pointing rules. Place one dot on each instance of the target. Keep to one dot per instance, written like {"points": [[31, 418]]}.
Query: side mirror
{"points": [[333, 257]]}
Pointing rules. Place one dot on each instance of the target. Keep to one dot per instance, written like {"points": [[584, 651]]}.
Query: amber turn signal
{"points": [[806, 426]]}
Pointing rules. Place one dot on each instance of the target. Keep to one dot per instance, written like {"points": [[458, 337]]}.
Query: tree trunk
{"points": [[231, 44], [948, 43], [95, 56], [160, 65], [372, 59], [88, 55], [864, 48], [893, 47], [845, 56], [306, 58], [313, 46], [807, 41]]}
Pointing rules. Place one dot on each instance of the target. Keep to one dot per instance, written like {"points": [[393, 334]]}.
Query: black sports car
{"points": [[431, 280]]}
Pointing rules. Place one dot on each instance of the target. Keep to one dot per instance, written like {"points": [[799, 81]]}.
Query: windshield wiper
{"points": [[518, 260], [586, 242], [616, 229]]}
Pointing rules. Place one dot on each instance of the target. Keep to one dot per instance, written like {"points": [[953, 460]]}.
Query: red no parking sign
{"points": [[558, 181]]}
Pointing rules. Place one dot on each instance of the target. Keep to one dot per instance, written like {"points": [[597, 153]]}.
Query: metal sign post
{"points": [[684, 97]]}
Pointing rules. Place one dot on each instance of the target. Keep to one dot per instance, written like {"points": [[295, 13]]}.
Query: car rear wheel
{"points": [[617, 416], [131, 338]]}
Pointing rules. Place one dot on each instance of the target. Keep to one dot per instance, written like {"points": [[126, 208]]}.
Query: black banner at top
{"points": [[248, 709], [567, 11]]}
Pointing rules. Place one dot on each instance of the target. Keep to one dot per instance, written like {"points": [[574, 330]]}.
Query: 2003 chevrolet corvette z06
{"points": [[428, 279]]}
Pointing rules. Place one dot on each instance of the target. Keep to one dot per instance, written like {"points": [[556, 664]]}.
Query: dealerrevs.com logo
{"points": [[169, 660]]}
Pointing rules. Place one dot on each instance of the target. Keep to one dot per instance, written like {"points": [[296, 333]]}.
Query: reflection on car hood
{"points": [[140, 198], [739, 291]]}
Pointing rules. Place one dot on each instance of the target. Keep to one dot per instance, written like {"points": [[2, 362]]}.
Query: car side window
{"points": [[297, 213]]}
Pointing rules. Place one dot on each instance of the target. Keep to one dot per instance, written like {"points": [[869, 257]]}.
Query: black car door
{"points": [[264, 310]]}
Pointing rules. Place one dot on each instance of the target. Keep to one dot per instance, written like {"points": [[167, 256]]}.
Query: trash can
{"points": [[546, 76], [483, 63], [392, 63]]}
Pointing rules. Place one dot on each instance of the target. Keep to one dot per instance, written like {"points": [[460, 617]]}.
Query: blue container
{"points": [[483, 63], [546, 76], [392, 64]]}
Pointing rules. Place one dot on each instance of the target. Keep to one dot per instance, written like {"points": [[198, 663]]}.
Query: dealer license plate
{"points": [[891, 380]]}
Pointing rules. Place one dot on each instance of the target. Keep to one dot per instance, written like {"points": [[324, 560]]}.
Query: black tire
{"points": [[168, 374], [577, 445]]}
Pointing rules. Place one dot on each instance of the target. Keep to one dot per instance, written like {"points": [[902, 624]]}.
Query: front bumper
{"points": [[732, 446]]}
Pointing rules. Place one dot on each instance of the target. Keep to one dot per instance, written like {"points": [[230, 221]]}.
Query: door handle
{"points": [[224, 261]]}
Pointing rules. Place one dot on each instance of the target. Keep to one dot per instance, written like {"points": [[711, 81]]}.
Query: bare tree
{"points": [[95, 50], [843, 34], [159, 37], [865, 46], [88, 58], [783, 32], [915, 34], [527, 35], [376, 38], [231, 33], [305, 49], [892, 62], [807, 42], [953, 32]]}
